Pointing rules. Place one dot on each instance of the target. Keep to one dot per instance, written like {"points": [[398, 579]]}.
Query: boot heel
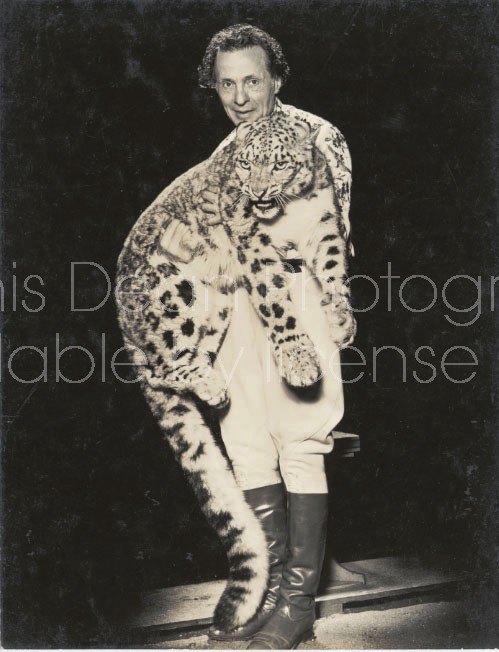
{"points": [[306, 637]]}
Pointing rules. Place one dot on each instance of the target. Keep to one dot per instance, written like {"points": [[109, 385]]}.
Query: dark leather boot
{"points": [[269, 504], [293, 620]]}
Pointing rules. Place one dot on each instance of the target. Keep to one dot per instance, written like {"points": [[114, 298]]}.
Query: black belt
{"points": [[293, 265]]}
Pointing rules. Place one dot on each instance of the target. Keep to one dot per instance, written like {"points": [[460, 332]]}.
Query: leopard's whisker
{"points": [[237, 200], [291, 195]]}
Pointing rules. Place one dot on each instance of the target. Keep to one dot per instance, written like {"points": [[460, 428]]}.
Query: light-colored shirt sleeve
{"points": [[332, 144]]}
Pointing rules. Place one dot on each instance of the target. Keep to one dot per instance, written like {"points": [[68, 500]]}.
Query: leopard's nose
{"points": [[261, 194]]}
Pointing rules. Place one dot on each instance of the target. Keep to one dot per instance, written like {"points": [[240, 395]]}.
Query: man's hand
{"points": [[209, 195]]}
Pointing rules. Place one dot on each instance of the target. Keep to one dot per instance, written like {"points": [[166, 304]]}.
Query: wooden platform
{"points": [[371, 581], [184, 607]]}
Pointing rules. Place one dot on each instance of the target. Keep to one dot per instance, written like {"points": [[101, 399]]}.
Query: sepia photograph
{"points": [[249, 338]]}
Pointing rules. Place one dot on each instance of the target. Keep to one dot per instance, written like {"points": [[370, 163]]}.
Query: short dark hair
{"points": [[239, 37]]}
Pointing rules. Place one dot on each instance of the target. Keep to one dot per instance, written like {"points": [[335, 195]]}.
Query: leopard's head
{"points": [[274, 164]]}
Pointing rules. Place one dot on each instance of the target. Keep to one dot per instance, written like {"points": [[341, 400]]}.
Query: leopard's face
{"points": [[274, 165]]}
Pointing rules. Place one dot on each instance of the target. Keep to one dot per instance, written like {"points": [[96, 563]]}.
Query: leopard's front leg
{"points": [[293, 350], [324, 253]]}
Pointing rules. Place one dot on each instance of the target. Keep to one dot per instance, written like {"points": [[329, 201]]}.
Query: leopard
{"points": [[270, 174]]}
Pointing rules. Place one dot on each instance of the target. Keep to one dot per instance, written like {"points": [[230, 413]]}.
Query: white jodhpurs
{"points": [[271, 431]]}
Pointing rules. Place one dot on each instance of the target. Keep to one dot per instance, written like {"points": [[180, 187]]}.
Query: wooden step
{"points": [[387, 578], [183, 607], [346, 444]]}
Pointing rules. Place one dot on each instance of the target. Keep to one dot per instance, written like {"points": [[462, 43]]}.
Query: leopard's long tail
{"points": [[221, 501]]}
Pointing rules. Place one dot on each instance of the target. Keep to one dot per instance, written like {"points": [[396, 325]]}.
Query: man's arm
{"points": [[333, 146]]}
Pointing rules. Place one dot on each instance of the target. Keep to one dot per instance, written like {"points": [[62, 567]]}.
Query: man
{"points": [[273, 433]]}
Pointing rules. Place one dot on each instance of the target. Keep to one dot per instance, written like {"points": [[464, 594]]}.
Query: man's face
{"points": [[244, 84]]}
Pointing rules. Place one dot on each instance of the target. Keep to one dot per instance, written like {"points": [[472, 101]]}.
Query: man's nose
{"points": [[241, 95]]}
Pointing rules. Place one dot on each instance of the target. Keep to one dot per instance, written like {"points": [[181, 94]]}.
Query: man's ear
{"points": [[277, 84]]}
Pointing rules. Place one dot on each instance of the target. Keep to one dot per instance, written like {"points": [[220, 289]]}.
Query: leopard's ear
{"points": [[302, 130], [306, 136], [242, 131], [314, 135]]}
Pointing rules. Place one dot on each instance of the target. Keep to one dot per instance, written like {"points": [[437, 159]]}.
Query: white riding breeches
{"points": [[270, 430]]}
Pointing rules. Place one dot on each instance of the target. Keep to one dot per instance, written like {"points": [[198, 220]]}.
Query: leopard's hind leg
{"points": [[221, 501], [175, 332]]}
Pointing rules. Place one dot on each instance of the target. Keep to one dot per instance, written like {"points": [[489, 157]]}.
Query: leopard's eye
{"points": [[280, 165], [244, 164]]}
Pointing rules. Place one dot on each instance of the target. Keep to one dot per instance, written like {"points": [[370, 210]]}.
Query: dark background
{"points": [[100, 111]]}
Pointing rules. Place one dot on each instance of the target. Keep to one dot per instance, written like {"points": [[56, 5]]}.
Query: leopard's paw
{"points": [[212, 389], [202, 380], [298, 363]]}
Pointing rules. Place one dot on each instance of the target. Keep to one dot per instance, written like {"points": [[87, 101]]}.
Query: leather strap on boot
{"points": [[293, 620], [269, 504]]}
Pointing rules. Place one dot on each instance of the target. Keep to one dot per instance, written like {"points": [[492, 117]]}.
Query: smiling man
{"points": [[275, 436]]}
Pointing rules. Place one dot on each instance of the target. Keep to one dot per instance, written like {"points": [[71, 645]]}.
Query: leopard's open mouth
{"points": [[265, 205]]}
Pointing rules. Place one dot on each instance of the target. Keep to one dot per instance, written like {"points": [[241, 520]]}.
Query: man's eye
{"points": [[253, 83], [244, 164], [226, 85], [280, 165]]}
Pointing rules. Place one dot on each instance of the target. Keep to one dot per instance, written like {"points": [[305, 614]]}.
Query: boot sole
{"points": [[230, 638]]}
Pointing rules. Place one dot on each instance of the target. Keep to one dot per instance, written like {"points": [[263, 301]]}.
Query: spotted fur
{"points": [[271, 171]]}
